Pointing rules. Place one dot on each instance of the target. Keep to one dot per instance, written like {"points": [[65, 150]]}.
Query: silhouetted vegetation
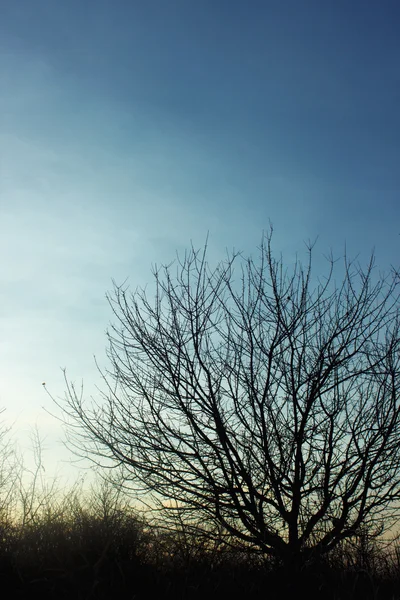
{"points": [[255, 403], [95, 547], [92, 544], [253, 426]]}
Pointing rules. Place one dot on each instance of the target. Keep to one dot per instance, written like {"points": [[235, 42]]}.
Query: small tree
{"points": [[9, 473], [265, 404]]}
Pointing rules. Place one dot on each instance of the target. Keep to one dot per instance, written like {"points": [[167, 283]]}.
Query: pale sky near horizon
{"points": [[128, 129]]}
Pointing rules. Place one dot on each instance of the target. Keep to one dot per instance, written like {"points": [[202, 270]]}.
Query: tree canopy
{"points": [[255, 398]]}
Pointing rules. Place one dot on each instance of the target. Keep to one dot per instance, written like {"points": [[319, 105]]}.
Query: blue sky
{"points": [[129, 128]]}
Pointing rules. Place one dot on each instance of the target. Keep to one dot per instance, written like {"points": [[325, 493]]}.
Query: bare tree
{"points": [[255, 399], [8, 476]]}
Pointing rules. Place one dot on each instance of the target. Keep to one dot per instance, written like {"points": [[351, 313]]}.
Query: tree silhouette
{"points": [[255, 399]]}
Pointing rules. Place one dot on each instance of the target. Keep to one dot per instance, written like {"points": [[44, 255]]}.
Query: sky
{"points": [[129, 129]]}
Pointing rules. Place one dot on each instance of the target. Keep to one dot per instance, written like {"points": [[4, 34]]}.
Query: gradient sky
{"points": [[129, 128]]}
